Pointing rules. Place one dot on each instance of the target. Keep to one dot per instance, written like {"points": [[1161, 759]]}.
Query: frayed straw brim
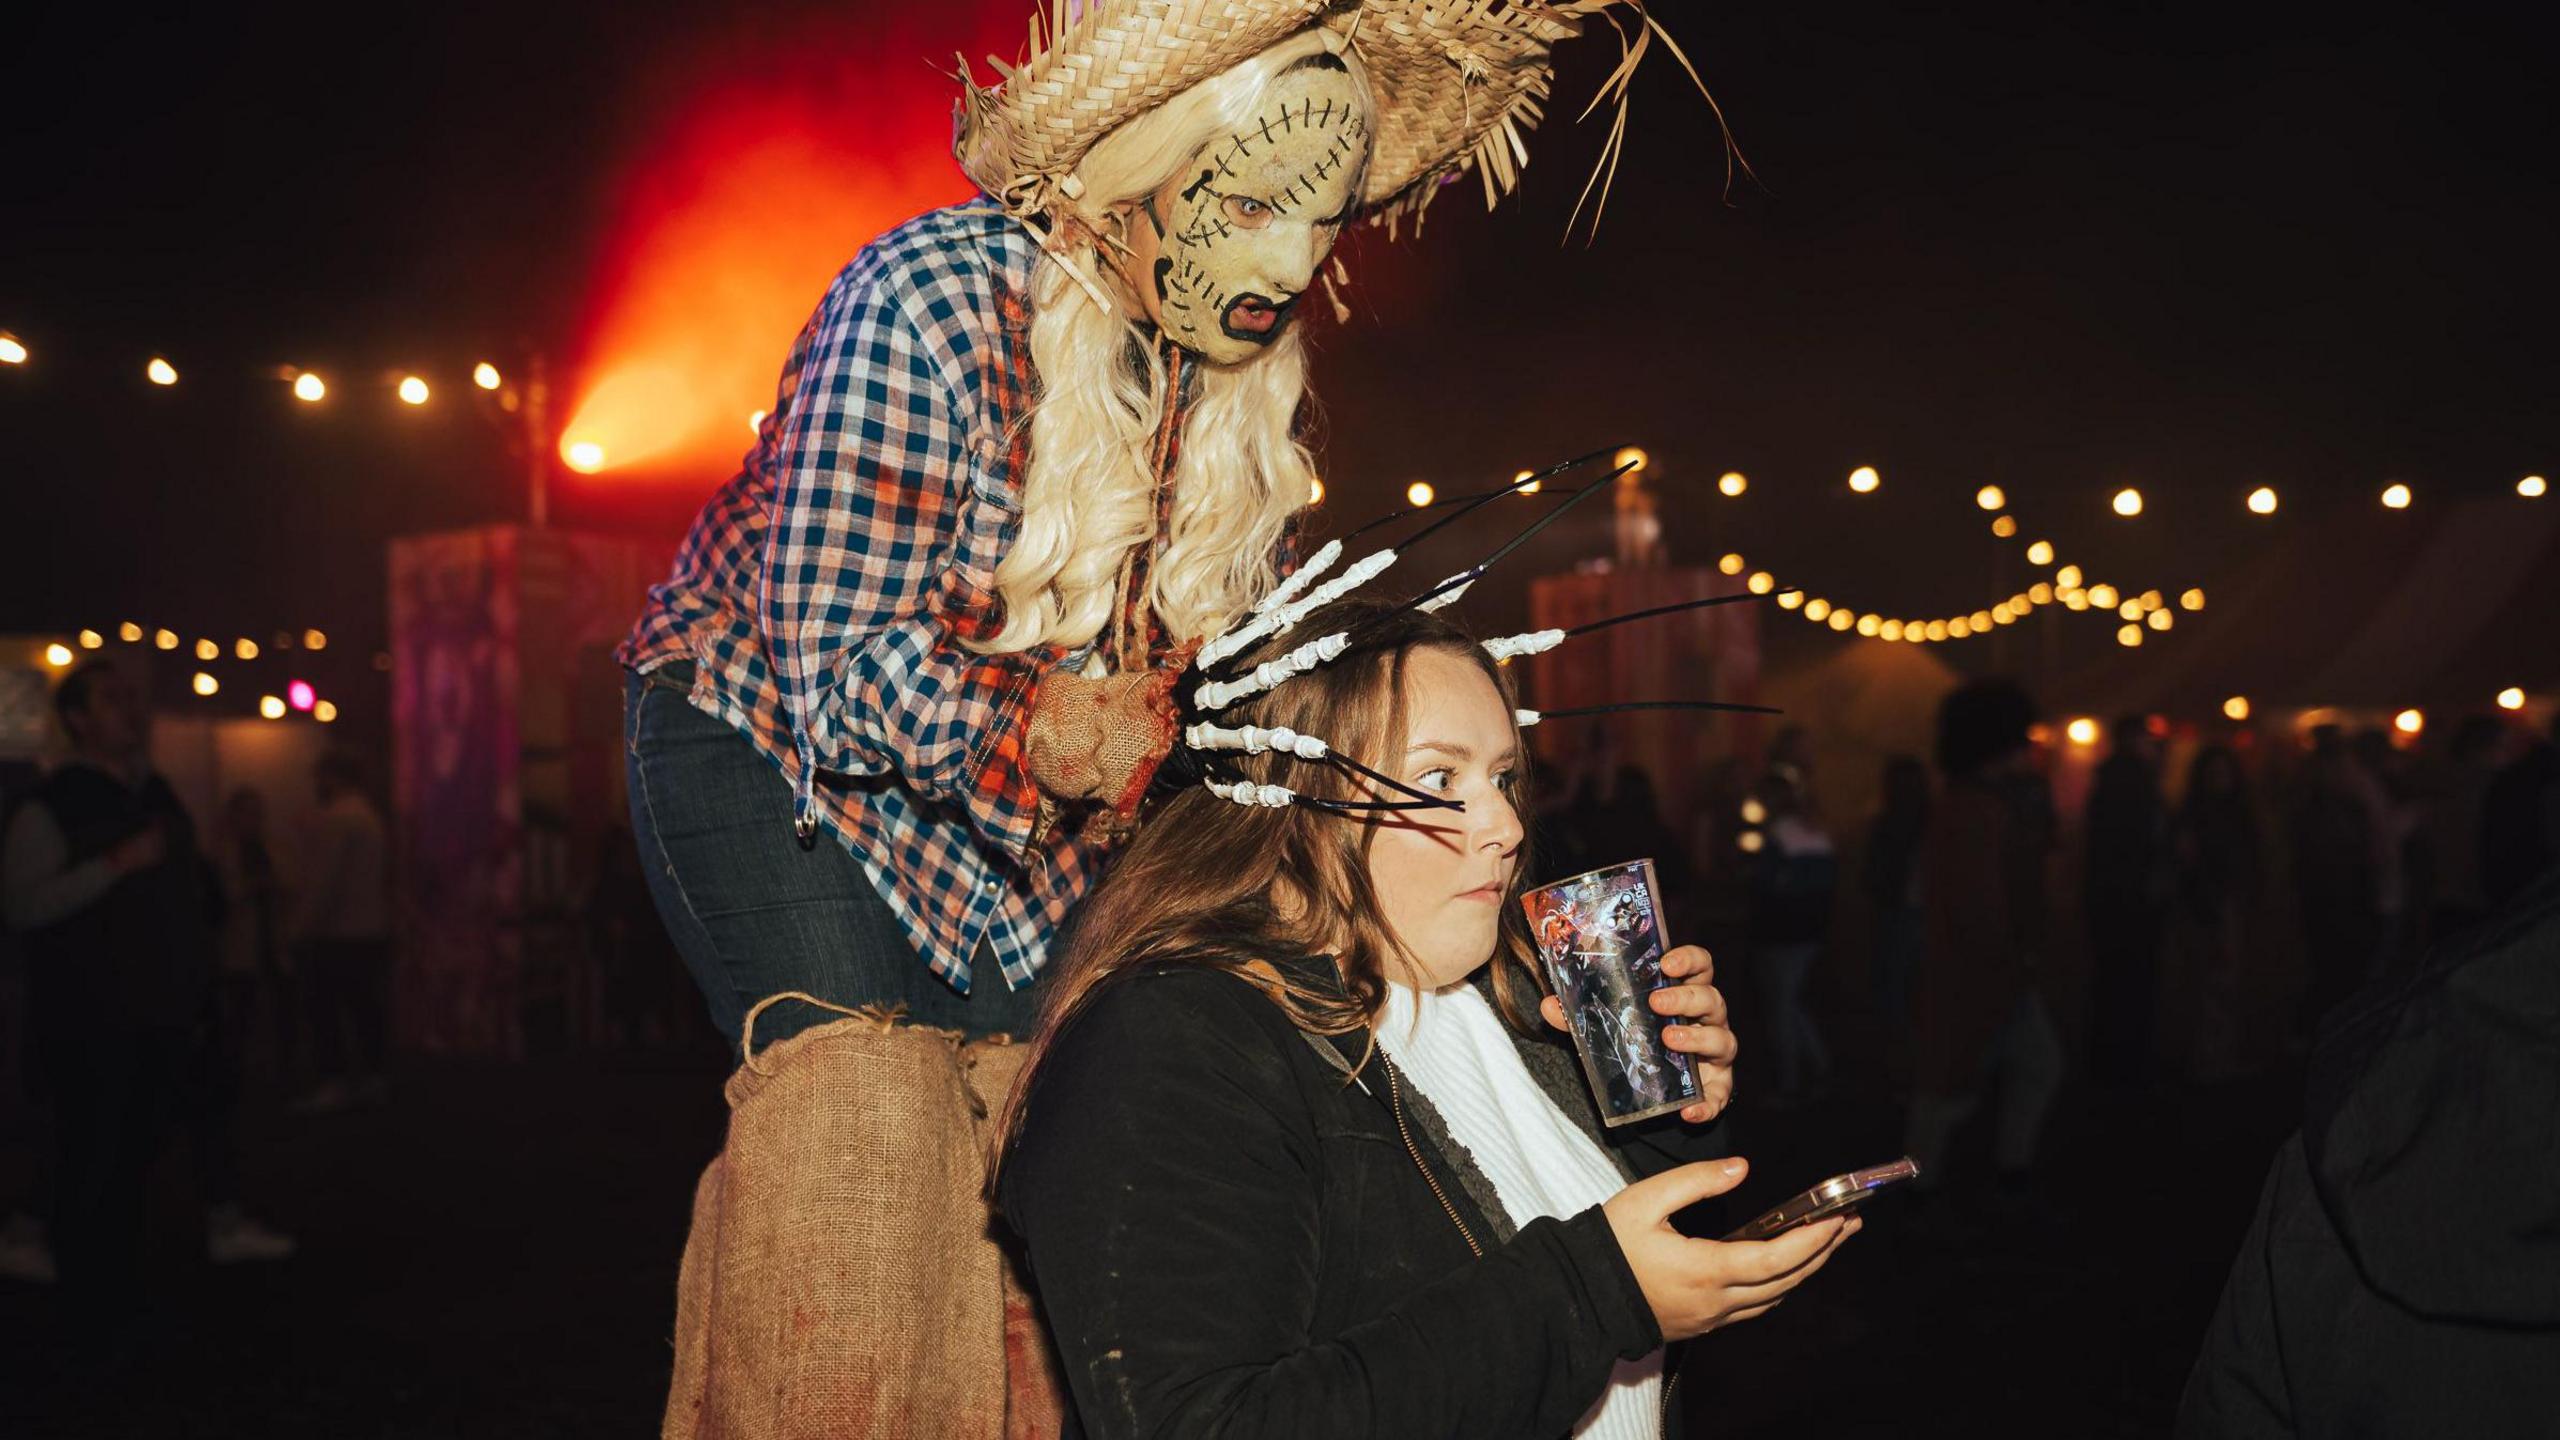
{"points": [[1460, 83]]}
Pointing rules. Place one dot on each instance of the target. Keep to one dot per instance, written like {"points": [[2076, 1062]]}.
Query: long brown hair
{"points": [[1202, 881]]}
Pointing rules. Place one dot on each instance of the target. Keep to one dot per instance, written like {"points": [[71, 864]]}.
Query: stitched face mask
{"points": [[1224, 251]]}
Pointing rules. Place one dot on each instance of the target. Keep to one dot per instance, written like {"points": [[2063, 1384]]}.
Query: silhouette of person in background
{"points": [[2215, 842], [1892, 883], [2335, 832], [2520, 821], [343, 932], [1979, 1012], [2123, 900], [117, 908], [1792, 880]]}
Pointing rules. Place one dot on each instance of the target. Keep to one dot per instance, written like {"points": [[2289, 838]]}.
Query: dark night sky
{"points": [[2057, 247]]}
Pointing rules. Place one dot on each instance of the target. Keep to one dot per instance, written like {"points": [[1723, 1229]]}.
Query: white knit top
{"points": [[1458, 1052]]}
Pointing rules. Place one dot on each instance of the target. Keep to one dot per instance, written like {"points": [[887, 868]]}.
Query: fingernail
{"points": [[1733, 1167]]}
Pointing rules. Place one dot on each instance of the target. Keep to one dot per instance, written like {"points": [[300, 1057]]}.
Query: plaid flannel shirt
{"points": [[825, 592]]}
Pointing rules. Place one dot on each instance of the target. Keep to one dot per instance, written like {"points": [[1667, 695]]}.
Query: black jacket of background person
{"points": [[141, 955], [2403, 1275], [1231, 1236]]}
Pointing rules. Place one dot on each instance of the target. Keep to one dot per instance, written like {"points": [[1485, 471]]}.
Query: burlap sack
{"points": [[842, 1277]]}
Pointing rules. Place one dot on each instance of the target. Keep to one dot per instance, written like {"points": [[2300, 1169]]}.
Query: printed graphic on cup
{"points": [[1600, 938]]}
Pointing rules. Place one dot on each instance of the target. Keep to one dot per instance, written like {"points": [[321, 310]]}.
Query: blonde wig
{"points": [[1088, 498]]}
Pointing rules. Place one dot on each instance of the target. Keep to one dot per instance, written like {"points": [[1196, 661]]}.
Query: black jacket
{"points": [[2403, 1276], [1232, 1235]]}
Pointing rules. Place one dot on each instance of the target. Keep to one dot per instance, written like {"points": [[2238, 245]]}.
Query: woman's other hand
{"points": [[1703, 1030], [1695, 1286]]}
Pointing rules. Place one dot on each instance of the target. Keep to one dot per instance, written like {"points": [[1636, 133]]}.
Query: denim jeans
{"points": [[752, 910]]}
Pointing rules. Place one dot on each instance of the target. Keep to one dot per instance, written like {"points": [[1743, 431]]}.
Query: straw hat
{"points": [[1458, 83]]}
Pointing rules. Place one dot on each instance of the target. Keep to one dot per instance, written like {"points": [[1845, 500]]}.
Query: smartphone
{"points": [[1832, 1196]]}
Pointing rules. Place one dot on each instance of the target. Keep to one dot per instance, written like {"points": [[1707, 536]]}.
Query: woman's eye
{"points": [[1248, 212], [1507, 780], [1437, 779]]}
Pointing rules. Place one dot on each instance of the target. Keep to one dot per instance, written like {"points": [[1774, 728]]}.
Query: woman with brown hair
{"points": [[1294, 1153]]}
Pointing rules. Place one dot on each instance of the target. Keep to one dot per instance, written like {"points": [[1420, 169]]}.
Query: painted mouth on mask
{"points": [[1255, 318]]}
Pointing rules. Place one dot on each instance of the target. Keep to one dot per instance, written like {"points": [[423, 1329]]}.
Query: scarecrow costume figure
{"points": [[915, 666]]}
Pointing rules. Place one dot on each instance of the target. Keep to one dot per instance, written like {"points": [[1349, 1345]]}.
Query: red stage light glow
{"points": [[732, 221], [300, 695]]}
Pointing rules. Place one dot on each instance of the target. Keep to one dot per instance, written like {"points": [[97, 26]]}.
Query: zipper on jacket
{"points": [[1670, 1388], [1395, 1102]]}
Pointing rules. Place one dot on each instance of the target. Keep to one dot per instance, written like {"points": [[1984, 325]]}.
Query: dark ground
{"points": [[493, 1254]]}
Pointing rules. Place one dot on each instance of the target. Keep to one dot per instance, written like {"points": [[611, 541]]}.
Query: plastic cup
{"points": [[1600, 940]]}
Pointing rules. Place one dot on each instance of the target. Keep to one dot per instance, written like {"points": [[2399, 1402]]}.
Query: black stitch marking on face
{"points": [[1191, 192], [1164, 271], [1266, 128], [1327, 121]]}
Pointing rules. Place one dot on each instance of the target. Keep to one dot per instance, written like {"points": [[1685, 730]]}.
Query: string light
{"points": [[2236, 708], [165, 639], [1868, 625], [2161, 619], [1731, 564], [271, 706], [2103, 596], [413, 391], [485, 375], [1418, 493], [2191, 598], [2130, 610], [2040, 553], [584, 456], [2129, 636], [1864, 479], [91, 639], [1633, 460], [1526, 486], [300, 695], [1791, 600], [12, 352], [2067, 578], [2511, 698], [1890, 630], [2128, 502], [1843, 619], [2041, 592], [245, 648], [1733, 482], [2005, 527], [160, 372], [2082, 730], [2395, 496], [1817, 609], [2531, 487], [1761, 582], [2262, 501], [207, 650], [57, 655], [129, 632], [309, 388], [206, 684], [1749, 842], [1990, 497], [1753, 812], [2409, 722], [314, 640], [326, 712]]}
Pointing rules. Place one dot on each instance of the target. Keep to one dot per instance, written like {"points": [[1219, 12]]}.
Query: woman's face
{"points": [[1220, 255], [1443, 876]]}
